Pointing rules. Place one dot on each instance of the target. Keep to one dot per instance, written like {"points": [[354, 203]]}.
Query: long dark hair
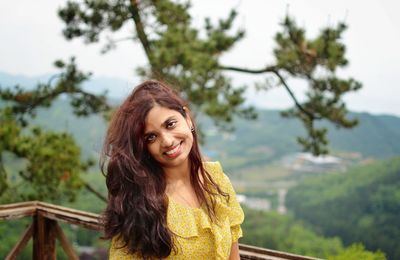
{"points": [[136, 211]]}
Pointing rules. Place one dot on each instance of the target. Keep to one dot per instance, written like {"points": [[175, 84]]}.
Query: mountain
{"points": [[271, 137], [252, 143], [9, 80], [116, 88], [257, 142]]}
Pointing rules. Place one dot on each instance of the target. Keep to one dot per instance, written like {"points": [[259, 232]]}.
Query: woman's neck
{"points": [[178, 175], [179, 186]]}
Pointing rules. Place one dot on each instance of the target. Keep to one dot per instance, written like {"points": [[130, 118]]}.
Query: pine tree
{"points": [[186, 57]]}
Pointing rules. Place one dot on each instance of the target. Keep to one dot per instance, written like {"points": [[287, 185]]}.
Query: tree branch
{"points": [[274, 70], [30, 106], [27, 108], [140, 31], [95, 192], [296, 102], [25, 177], [50, 81], [251, 71]]}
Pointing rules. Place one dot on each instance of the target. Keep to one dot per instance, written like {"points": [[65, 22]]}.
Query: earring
{"points": [[192, 129]]}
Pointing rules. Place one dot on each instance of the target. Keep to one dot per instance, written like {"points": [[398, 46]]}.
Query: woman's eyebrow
{"points": [[163, 124], [167, 120]]}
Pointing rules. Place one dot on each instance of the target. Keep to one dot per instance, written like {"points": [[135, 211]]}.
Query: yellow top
{"points": [[196, 236]]}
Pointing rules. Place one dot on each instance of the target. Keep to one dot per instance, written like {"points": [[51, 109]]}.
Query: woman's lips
{"points": [[174, 152]]}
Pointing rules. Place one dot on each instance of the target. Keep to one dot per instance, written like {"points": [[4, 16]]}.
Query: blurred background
{"points": [[296, 99]]}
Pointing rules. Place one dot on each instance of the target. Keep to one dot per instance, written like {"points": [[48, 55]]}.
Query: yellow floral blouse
{"points": [[196, 236]]}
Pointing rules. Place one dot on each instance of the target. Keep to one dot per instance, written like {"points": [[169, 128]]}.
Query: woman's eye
{"points": [[150, 138], [171, 124]]}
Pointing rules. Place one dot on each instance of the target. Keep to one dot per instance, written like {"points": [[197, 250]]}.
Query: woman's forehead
{"points": [[157, 116]]}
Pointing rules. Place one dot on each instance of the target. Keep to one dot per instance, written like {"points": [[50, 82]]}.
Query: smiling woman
{"points": [[164, 200], [168, 136]]}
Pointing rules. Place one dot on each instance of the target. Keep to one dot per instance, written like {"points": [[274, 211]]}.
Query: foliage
{"points": [[280, 232], [316, 60], [190, 59], [356, 252], [177, 52], [174, 49], [284, 233], [360, 205], [52, 160], [11, 232]]}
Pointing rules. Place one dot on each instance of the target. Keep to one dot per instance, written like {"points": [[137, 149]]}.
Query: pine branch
{"points": [[274, 70], [140, 31], [251, 71], [95, 192], [29, 106], [296, 102]]}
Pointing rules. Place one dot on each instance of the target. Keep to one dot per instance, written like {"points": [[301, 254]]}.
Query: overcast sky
{"points": [[31, 40]]}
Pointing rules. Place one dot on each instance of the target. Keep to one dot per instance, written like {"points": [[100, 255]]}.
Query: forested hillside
{"points": [[362, 205], [259, 143], [252, 142], [285, 233]]}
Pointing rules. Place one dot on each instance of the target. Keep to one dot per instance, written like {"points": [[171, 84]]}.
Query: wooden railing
{"points": [[44, 230]]}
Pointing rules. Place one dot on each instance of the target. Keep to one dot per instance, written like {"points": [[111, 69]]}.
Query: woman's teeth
{"points": [[173, 150]]}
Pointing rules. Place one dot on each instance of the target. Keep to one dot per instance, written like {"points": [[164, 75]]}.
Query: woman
{"points": [[164, 201]]}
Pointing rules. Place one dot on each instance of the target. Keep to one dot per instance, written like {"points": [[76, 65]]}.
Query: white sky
{"points": [[31, 39]]}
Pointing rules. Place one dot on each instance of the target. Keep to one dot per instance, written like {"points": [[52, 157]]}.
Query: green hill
{"points": [[259, 143], [361, 205], [252, 142]]}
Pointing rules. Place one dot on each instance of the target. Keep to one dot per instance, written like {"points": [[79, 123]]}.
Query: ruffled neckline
{"points": [[187, 207], [194, 220], [188, 222]]}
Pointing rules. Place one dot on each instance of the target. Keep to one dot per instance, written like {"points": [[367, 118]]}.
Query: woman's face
{"points": [[168, 136]]}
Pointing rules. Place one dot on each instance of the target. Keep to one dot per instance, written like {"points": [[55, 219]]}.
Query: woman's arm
{"points": [[234, 252]]}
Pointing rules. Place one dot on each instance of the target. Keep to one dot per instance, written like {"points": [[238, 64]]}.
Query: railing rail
{"points": [[44, 230]]}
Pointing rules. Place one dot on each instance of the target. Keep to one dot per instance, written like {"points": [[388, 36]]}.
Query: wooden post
{"points": [[44, 238]]}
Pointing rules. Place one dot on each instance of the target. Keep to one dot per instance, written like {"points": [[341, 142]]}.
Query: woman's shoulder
{"points": [[231, 206], [217, 174], [214, 169]]}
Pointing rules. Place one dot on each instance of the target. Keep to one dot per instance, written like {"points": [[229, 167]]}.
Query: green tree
{"points": [[356, 252], [49, 162], [179, 53], [284, 233]]}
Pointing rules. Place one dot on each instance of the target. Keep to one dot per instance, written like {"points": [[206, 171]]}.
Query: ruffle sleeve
{"points": [[231, 207]]}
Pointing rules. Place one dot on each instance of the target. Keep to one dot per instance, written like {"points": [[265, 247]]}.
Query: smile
{"points": [[174, 152]]}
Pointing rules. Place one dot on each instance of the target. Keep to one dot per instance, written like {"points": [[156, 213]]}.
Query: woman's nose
{"points": [[167, 140]]}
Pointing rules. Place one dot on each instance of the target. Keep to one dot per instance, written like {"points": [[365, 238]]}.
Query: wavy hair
{"points": [[136, 211]]}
